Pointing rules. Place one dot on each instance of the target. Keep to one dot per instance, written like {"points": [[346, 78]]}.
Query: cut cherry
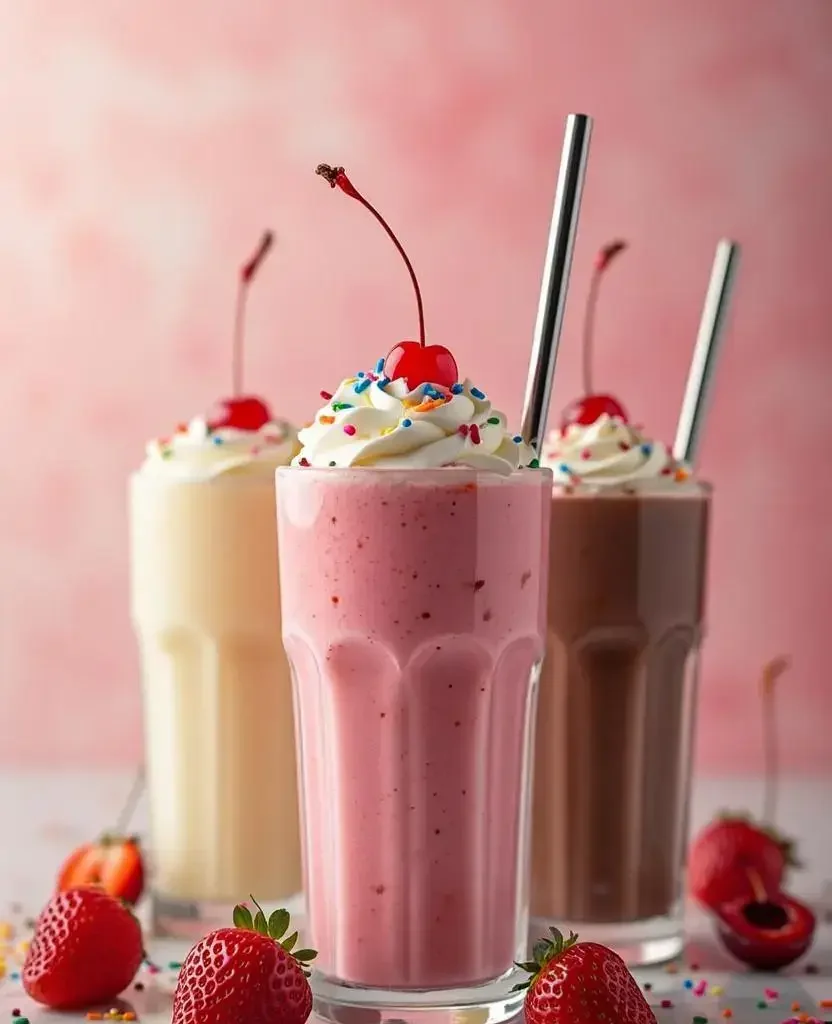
{"points": [[242, 412], [589, 409], [411, 361], [767, 933]]}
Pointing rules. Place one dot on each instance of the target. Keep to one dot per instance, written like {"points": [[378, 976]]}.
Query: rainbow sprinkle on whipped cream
{"points": [[374, 421], [610, 454], [195, 451]]}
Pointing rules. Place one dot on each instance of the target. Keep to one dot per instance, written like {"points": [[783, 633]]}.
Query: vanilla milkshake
{"points": [[413, 552], [629, 532], [217, 694]]}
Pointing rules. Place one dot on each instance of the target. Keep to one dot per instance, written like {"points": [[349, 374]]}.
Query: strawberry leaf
{"points": [[278, 923], [242, 918], [289, 944], [260, 925], [305, 955]]}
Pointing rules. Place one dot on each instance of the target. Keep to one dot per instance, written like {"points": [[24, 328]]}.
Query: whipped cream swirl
{"points": [[373, 421], [196, 452], [610, 454]]}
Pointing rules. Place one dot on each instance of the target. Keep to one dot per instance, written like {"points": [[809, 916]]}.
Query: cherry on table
{"points": [[243, 412], [589, 409], [418, 364], [766, 932]]}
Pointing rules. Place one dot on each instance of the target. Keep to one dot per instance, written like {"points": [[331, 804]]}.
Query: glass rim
{"points": [[691, 489], [229, 479], [440, 474]]}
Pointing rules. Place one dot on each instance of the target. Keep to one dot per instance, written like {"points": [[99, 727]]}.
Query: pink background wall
{"points": [[145, 145]]}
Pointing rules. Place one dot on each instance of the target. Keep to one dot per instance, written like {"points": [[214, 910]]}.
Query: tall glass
{"points": [[219, 732], [616, 717], [413, 616]]}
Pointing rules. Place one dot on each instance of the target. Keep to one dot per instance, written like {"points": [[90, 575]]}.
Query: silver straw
{"points": [[706, 351], [556, 276]]}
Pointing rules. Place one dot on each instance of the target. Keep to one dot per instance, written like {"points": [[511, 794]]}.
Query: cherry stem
{"points": [[130, 804], [602, 261], [771, 761], [759, 890], [337, 176], [247, 272]]}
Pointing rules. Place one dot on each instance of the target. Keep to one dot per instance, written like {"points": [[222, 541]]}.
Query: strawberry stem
{"points": [[771, 760], [602, 261], [336, 176], [247, 272]]}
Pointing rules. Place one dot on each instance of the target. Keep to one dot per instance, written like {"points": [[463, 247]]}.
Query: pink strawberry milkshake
{"points": [[413, 571]]}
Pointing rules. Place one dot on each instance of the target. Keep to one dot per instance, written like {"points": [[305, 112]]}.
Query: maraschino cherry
{"points": [[242, 412], [412, 361], [589, 409]]}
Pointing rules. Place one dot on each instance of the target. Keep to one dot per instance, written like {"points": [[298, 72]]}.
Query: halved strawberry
{"points": [[112, 863]]}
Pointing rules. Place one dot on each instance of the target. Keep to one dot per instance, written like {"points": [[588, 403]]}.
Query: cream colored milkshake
{"points": [[217, 691]]}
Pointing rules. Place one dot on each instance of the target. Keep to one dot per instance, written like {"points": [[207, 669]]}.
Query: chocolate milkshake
{"points": [[616, 713], [629, 534]]}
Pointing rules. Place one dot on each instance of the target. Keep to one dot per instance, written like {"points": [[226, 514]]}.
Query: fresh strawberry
{"points": [[248, 973], [581, 983], [86, 949], [723, 854], [113, 863]]}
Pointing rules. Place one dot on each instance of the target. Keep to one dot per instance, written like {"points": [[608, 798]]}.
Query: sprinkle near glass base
{"points": [[491, 1003]]}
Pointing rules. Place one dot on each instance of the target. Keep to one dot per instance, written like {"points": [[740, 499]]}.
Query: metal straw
{"points": [[556, 276], [706, 351]]}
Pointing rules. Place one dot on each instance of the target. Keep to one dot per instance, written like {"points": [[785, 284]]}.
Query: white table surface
{"points": [[48, 813]]}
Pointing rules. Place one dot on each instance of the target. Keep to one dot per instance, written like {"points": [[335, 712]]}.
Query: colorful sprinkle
{"points": [[326, 419], [383, 382], [407, 422], [716, 990], [727, 1012], [564, 468], [517, 439], [646, 449], [361, 374], [474, 434], [362, 385], [586, 454], [700, 1020], [700, 988], [457, 389], [327, 397], [687, 983], [477, 393], [339, 406], [623, 446], [494, 421], [666, 1004], [771, 993], [681, 474], [463, 429], [304, 462], [380, 366], [534, 464], [349, 429], [216, 439]]}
